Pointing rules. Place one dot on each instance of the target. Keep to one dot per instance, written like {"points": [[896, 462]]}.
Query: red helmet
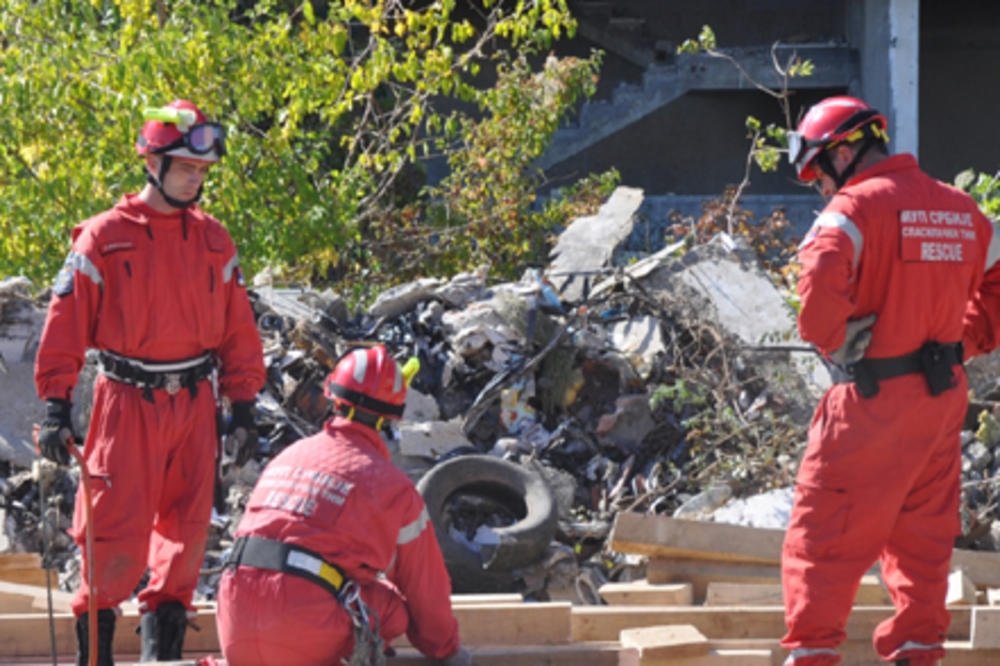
{"points": [[370, 380], [832, 121], [181, 129]]}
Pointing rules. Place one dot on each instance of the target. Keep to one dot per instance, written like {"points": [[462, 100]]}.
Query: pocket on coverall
{"points": [[819, 522]]}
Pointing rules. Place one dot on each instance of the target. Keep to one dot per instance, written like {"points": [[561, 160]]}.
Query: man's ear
{"points": [[153, 164]]}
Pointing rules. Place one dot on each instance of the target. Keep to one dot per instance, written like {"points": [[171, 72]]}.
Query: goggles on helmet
{"points": [[200, 139], [801, 150]]}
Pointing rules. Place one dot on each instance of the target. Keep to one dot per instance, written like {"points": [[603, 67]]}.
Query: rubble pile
{"points": [[667, 385]]}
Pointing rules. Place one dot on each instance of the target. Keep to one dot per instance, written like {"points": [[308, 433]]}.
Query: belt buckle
{"points": [[172, 383]]}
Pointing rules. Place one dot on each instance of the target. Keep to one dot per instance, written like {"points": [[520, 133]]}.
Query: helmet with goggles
{"points": [[180, 129], [835, 120], [368, 386]]}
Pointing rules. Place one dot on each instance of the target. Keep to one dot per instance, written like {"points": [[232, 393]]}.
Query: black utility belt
{"points": [[934, 360], [171, 376], [287, 558]]}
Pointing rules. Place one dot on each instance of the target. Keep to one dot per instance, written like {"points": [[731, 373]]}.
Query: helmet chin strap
{"points": [[826, 164], [157, 182]]}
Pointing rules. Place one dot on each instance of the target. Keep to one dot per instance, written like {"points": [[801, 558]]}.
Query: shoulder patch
{"points": [[64, 282], [239, 277]]}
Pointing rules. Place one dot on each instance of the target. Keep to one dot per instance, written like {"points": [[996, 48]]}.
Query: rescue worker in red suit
{"points": [[154, 285], [892, 281], [334, 534]]}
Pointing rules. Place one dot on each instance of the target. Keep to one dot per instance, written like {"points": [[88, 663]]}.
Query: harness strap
{"points": [[170, 376], [934, 360], [287, 558]]}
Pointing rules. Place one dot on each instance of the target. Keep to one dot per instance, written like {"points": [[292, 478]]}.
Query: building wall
{"points": [[959, 86]]}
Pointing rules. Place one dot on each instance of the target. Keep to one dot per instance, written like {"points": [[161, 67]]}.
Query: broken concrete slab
{"points": [[588, 244], [431, 439], [402, 298], [641, 341]]}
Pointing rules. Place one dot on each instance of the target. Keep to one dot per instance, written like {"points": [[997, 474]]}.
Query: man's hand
{"points": [[856, 341], [57, 431], [241, 436], [461, 658]]}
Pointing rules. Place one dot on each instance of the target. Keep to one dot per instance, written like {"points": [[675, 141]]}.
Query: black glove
{"points": [[856, 341], [241, 436], [57, 430]]}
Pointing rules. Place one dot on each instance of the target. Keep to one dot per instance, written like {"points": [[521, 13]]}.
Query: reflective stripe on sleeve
{"points": [[993, 251], [842, 222], [231, 265], [79, 262], [410, 532]]}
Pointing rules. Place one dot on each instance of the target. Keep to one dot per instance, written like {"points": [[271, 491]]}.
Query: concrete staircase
{"points": [[667, 75]]}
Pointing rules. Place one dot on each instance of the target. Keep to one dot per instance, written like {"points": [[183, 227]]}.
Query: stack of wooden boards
{"points": [[712, 597]]}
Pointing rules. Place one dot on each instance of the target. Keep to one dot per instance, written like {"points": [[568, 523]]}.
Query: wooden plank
{"points": [[715, 657], [20, 561], [20, 598], [577, 654], [483, 599], [985, 627], [644, 593], [700, 573], [870, 593], [982, 566], [961, 589], [603, 623], [26, 634], [547, 623], [662, 536], [664, 642], [26, 576]]}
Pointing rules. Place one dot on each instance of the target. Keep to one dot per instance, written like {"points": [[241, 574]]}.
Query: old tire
{"points": [[512, 488]]}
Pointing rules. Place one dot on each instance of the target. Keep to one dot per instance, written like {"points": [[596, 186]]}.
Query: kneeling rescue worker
{"points": [[899, 285], [335, 555], [154, 285]]}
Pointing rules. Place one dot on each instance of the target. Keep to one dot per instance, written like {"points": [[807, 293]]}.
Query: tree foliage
{"points": [[326, 104]]}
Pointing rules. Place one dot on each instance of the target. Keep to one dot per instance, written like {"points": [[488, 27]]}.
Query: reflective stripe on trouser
{"points": [[919, 654], [268, 617], [153, 466], [812, 657], [880, 480]]}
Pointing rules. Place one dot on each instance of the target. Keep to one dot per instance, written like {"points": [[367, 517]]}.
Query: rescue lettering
{"points": [[283, 486], [941, 252], [937, 235]]}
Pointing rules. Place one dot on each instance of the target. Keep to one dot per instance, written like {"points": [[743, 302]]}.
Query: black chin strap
{"points": [[826, 165], [157, 182]]}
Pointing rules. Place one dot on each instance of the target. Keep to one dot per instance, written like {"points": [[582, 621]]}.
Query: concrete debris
{"points": [[674, 385]]}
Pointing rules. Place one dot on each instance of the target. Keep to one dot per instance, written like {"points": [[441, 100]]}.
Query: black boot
{"points": [[105, 638], [162, 632]]}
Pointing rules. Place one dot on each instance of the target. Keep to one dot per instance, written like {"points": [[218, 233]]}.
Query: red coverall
{"points": [[880, 479], [160, 288], [337, 494]]}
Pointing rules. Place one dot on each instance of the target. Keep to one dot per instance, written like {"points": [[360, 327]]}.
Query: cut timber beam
{"points": [[961, 589], [662, 536], [985, 627], [643, 593], [870, 593], [604, 623], [653, 644], [19, 598], [700, 573]]}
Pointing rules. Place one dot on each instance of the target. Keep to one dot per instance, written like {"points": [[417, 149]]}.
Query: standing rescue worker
{"points": [[336, 555], [154, 285], [892, 283]]}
